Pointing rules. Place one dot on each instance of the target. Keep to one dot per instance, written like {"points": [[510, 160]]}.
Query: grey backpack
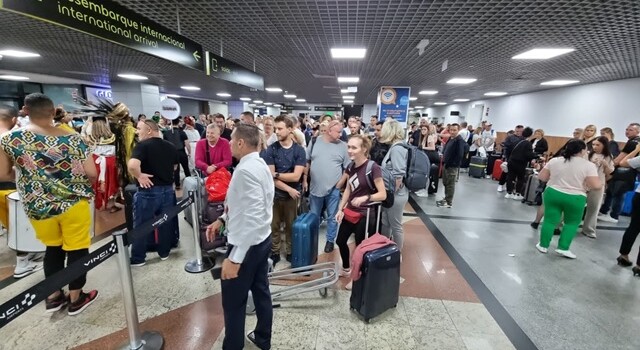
{"points": [[418, 167]]}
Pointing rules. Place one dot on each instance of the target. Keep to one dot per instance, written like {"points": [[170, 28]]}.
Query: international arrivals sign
{"points": [[110, 21]]}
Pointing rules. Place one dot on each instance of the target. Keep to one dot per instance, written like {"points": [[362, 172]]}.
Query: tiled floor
{"points": [[437, 309]]}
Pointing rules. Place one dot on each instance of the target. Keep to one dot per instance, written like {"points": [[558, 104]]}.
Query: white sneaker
{"points": [[517, 197], [24, 268], [508, 196], [500, 188], [590, 235], [349, 285], [345, 272], [607, 218], [566, 253], [35, 256], [541, 249]]}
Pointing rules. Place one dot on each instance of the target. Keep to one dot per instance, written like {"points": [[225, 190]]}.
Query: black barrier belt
{"points": [[24, 301]]}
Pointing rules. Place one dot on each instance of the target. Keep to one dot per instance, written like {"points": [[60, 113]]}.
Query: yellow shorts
{"points": [[71, 229], [4, 207]]}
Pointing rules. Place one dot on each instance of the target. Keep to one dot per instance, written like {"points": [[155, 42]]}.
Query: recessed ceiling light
{"points": [[133, 76], [495, 93], [412, 98], [257, 101], [13, 77], [245, 99], [268, 103], [419, 107], [190, 88], [18, 54], [252, 104], [542, 53], [348, 79], [300, 100], [560, 82], [223, 94], [348, 53], [461, 81], [277, 105], [290, 96], [461, 100], [428, 92], [345, 91], [440, 103], [273, 89], [348, 97], [173, 96]]}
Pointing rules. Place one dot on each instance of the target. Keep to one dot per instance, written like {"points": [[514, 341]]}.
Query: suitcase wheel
{"points": [[367, 320], [323, 292]]}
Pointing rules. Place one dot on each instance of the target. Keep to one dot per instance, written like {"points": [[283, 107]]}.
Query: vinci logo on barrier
{"points": [[102, 256], [18, 308], [160, 221]]}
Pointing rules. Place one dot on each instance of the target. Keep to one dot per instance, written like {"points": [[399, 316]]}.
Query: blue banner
{"points": [[393, 102]]}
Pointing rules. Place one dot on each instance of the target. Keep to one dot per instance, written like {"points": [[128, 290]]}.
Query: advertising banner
{"points": [[222, 68], [110, 21], [393, 102]]}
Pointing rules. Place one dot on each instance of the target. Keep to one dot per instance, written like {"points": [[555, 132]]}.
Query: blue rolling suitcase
{"points": [[378, 288], [304, 245]]}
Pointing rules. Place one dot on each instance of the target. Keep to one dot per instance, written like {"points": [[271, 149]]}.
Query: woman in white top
{"points": [[632, 160], [568, 178], [601, 157], [194, 136]]}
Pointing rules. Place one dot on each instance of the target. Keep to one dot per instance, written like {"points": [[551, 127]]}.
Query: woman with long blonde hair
{"points": [[103, 145]]}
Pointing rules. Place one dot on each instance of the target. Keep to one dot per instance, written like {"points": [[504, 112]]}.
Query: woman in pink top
{"points": [[212, 152]]}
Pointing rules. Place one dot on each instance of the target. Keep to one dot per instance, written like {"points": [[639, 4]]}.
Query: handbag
{"points": [[505, 167], [351, 215]]}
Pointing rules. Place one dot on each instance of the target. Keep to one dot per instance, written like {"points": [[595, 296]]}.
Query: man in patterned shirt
{"points": [[55, 179]]}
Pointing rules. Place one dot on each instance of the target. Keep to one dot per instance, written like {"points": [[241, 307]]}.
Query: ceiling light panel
{"points": [[461, 100], [300, 100], [348, 53], [560, 82], [440, 103], [412, 98], [245, 99], [428, 92], [542, 54], [495, 93], [132, 76], [348, 79], [223, 94], [290, 96], [273, 89], [258, 101], [18, 54], [190, 88], [13, 77], [461, 81]]}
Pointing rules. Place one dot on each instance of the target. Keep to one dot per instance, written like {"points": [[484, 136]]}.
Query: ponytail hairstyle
{"points": [[572, 148]]}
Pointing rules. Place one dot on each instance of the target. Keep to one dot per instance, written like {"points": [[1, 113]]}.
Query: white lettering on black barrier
{"points": [[17, 308], [102, 256]]}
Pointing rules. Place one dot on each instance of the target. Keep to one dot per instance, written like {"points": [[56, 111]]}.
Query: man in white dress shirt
{"points": [[248, 216]]}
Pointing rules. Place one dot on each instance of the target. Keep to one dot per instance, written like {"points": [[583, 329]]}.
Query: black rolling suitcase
{"points": [[378, 288], [478, 167], [434, 178]]}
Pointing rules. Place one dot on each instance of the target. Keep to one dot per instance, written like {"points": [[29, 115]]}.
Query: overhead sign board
{"points": [[110, 21], [327, 108], [222, 68]]}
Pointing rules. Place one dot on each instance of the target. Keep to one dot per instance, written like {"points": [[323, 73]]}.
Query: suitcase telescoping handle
{"points": [[369, 205]]}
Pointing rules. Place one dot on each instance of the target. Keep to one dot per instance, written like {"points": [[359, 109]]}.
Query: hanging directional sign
{"points": [[110, 21], [222, 68]]}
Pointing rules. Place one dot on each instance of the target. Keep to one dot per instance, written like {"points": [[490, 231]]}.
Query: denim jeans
{"points": [[331, 202], [150, 203], [613, 201]]}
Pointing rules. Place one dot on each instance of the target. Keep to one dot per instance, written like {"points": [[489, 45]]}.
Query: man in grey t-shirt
{"points": [[327, 158]]}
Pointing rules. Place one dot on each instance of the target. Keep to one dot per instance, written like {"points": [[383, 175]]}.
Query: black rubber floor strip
{"points": [[409, 214], [516, 335], [505, 221]]}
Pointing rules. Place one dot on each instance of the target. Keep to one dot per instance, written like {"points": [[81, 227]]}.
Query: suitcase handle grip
{"points": [[369, 205]]}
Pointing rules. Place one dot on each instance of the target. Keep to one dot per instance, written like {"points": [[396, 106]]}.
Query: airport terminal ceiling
{"points": [[290, 43]]}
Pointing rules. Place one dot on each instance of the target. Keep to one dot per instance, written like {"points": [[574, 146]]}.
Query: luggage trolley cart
{"points": [[329, 271]]}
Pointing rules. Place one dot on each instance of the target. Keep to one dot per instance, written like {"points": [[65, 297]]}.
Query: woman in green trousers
{"points": [[568, 178]]}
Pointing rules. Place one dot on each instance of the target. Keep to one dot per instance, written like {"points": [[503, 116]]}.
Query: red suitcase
{"points": [[497, 170]]}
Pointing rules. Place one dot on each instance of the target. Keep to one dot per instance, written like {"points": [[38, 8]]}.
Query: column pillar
{"points": [[140, 98]]}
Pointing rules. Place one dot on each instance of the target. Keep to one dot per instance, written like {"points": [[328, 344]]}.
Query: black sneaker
{"points": [[56, 304], [252, 338], [288, 257], [83, 302], [328, 248], [275, 258], [535, 225], [557, 232]]}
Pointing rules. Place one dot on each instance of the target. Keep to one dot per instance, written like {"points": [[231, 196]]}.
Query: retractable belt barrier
{"points": [[24, 301]]}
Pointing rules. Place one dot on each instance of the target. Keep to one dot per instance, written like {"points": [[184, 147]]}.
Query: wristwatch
{"points": [[277, 175]]}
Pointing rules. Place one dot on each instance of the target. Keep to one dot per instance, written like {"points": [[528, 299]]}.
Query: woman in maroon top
{"points": [[352, 210], [212, 152]]}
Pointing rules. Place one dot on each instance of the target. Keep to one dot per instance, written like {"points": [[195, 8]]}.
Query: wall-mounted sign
{"points": [[170, 109], [393, 102], [97, 94], [327, 108], [110, 21], [221, 68]]}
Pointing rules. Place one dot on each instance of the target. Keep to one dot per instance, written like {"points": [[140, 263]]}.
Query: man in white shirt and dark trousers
{"points": [[248, 216]]}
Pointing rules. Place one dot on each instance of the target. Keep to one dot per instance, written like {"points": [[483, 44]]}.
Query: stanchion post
{"points": [[147, 340], [199, 264]]}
